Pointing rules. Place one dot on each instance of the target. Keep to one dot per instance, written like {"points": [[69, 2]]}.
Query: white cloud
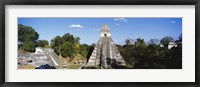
{"points": [[173, 22], [120, 19], [76, 26], [117, 24]]}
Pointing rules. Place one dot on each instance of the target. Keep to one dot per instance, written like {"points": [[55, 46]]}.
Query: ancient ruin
{"points": [[105, 53], [41, 56]]}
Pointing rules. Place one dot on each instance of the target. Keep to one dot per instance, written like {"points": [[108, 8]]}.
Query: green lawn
{"points": [[73, 66]]}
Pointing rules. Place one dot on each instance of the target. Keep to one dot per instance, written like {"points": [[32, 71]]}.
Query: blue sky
{"points": [[88, 29]]}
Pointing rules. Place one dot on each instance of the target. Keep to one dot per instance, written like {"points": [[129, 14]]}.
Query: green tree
{"points": [[128, 41], [140, 53], [68, 50], [69, 38], [56, 44], [128, 53], [153, 41], [27, 37], [151, 56], [180, 38], [84, 50], [42, 43], [28, 46], [179, 41], [77, 40], [66, 45], [165, 40], [175, 59]]}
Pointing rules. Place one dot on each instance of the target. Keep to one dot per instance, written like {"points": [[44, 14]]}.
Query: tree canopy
{"points": [[69, 46], [27, 38], [151, 56], [165, 40], [42, 43]]}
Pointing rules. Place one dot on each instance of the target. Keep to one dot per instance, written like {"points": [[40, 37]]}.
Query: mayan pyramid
{"points": [[105, 53]]}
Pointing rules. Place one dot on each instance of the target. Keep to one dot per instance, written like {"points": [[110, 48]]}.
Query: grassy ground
{"points": [[26, 67], [113, 67], [24, 52], [73, 66], [93, 67]]}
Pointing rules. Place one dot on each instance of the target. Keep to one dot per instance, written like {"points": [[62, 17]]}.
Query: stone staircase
{"points": [[105, 53], [105, 48]]}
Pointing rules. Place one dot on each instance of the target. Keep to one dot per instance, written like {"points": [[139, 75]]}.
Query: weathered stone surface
{"points": [[42, 56], [105, 53]]}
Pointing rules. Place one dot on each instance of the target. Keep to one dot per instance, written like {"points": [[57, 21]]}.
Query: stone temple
{"points": [[105, 53]]}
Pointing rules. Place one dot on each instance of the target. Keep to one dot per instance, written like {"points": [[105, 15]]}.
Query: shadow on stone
{"points": [[46, 66], [120, 67], [90, 67]]}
